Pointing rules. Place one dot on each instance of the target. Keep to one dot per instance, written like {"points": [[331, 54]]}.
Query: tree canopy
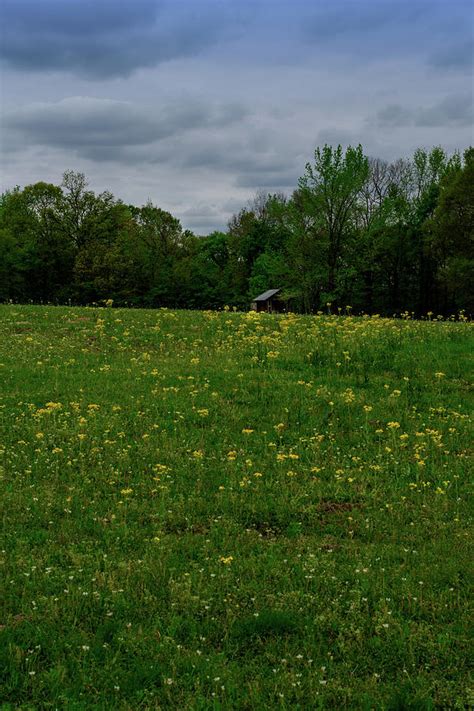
{"points": [[381, 237]]}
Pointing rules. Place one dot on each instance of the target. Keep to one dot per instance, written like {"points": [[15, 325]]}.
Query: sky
{"points": [[197, 105]]}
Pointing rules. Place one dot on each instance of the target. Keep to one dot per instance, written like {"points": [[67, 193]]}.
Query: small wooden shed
{"points": [[268, 301]]}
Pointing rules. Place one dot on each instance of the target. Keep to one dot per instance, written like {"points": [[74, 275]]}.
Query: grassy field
{"points": [[233, 511]]}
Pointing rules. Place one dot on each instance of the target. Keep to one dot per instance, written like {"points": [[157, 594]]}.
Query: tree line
{"points": [[380, 237]]}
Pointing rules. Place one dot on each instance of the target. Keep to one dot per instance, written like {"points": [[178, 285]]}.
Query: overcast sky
{"points": [[197, 104]]}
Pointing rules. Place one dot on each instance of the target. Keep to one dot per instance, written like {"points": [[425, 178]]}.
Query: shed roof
{"points": [[267, 295]]}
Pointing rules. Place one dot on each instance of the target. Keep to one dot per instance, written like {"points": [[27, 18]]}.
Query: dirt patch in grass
{"points": [[337, 507]]}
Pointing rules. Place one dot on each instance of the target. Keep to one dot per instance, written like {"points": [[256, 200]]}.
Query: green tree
{"points": [[157, 237], [330, 190], [103, 268], [306, 265], [85, 215], [451, 236], [31, 218], [253, 232]]}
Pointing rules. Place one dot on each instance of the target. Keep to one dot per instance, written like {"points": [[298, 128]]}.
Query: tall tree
{"points": [[158, 237], [451, 236], [33, 219], [84, 214], [330, 190]]}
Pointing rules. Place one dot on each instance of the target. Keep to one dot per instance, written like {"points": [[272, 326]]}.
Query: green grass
{"points": [[231, 511]]}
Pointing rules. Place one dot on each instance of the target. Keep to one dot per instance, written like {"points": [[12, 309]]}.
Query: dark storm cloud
{"points": [[454, 110], [104, 129], [104, 38]]}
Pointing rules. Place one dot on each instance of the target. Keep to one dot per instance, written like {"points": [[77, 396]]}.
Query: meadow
{"points": [[218, 510]]}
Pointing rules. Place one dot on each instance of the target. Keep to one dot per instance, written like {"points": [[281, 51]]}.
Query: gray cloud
{"points": [[269, 80], [268, 180], [371, 30], [334, 136], [201, 210], [236, 155], [454, 57], [105, 129], [204, 218], [188, 137], [394, 115], [377, 31], [104, 38], [231, 206], [251, 166], [360, 18], [361, 133], [453, 110]]}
